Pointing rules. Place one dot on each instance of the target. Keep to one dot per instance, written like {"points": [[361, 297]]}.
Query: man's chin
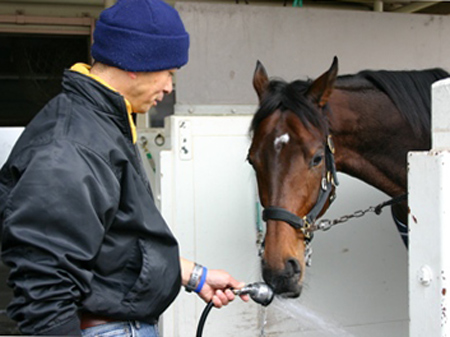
{"points": [[144, 109]]}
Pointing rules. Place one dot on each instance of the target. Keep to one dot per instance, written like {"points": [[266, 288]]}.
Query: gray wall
{"points": [[292, 43]]}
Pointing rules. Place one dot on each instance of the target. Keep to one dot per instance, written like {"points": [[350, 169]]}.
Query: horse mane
{"points": [[410, 91], [281, 95]]}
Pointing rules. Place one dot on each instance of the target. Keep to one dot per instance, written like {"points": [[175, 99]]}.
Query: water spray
{"points": [[259, 292]]}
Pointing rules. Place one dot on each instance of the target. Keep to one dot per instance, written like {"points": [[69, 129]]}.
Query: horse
{"points": [[303, 132]]}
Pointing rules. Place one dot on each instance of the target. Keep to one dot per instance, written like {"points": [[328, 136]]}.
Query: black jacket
{"points": [[80, 230]]}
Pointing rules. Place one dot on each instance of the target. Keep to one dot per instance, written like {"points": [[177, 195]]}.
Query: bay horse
{"points": [[374, 118]]}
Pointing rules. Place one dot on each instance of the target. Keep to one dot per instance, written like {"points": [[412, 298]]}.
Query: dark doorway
{"points": [[31, 68]]}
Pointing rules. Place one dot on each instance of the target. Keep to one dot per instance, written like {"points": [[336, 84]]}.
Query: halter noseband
{"points": [[329, 180]]}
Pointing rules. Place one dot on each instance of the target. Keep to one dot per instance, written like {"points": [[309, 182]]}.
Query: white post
{"points": [[429, 225], [378, 6]]}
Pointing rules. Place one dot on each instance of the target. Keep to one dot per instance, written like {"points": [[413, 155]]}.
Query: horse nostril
{"points": [[292, 265]]}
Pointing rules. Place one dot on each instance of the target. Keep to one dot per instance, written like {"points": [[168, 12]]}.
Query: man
{"points": [[88, 250]]}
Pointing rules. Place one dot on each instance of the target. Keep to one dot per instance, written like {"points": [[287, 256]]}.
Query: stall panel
{"points": [[357, 285]]}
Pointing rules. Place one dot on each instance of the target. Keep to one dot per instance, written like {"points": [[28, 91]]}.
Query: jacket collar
{"points": [[116, 100]]}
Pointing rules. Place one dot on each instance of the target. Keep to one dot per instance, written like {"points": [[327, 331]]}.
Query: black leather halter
{"points": [[329, 180]]}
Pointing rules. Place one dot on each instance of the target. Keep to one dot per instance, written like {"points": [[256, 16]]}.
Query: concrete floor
{"points": [[7, 326]]}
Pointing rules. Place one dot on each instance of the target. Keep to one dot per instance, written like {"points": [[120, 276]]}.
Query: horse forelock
{"points": [[284, 96]]}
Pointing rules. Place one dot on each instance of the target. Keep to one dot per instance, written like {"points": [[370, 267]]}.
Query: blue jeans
{"points": [[122, 329]]}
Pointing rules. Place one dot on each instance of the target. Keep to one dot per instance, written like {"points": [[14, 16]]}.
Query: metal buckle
{"points": [[333, 182], [330, 144], [329, 177], [307, 229], [324, 183], [332, 197], [306, 225]]}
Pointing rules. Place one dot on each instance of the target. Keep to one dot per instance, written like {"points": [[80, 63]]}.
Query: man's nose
{"points": [[169, 86]]}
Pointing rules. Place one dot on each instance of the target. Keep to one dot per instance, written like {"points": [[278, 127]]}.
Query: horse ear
{"points": [[320, 90], [260, 79]]}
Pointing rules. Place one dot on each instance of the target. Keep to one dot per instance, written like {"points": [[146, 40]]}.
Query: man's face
{"points": [[149, 88]]}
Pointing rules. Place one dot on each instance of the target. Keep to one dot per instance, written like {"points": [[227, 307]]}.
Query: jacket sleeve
{"points": [[55, 218]]}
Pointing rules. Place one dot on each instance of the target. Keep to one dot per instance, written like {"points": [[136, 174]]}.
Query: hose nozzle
{"points": [[259, 292]]}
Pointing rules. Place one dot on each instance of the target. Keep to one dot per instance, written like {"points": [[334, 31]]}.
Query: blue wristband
{"points": [[202, 280]]}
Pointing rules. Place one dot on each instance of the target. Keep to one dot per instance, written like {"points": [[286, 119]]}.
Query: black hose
{"points": [[202, 321]]}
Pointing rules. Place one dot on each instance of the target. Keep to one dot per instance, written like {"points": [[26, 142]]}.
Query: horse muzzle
{"points": [[285, 282]]}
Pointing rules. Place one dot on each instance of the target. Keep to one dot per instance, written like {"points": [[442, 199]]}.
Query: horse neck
{"points": [[372, 139]]}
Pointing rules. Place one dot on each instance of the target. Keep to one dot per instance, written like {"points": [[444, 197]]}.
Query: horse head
{"points": [[291, 154]]}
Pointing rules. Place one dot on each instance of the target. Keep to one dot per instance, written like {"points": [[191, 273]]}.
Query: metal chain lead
{"points": [[326, 224]]}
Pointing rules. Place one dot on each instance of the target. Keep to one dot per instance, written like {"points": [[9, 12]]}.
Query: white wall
{"points": [[292, 43]]}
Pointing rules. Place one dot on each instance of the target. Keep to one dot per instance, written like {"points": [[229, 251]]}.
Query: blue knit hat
{"points": [[141, 35]]}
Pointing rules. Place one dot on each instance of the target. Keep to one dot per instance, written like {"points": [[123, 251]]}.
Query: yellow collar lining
{"points": [[85, 69]]}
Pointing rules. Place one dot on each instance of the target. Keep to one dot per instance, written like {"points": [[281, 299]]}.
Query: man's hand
{"points": [[218, 288]]}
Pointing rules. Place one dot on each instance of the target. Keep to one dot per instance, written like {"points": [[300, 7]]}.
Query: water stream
{"points": [[263, 321], [302, 317]]}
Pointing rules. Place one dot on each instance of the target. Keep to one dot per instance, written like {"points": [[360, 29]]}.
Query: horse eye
{"points": [[316, 160]]}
